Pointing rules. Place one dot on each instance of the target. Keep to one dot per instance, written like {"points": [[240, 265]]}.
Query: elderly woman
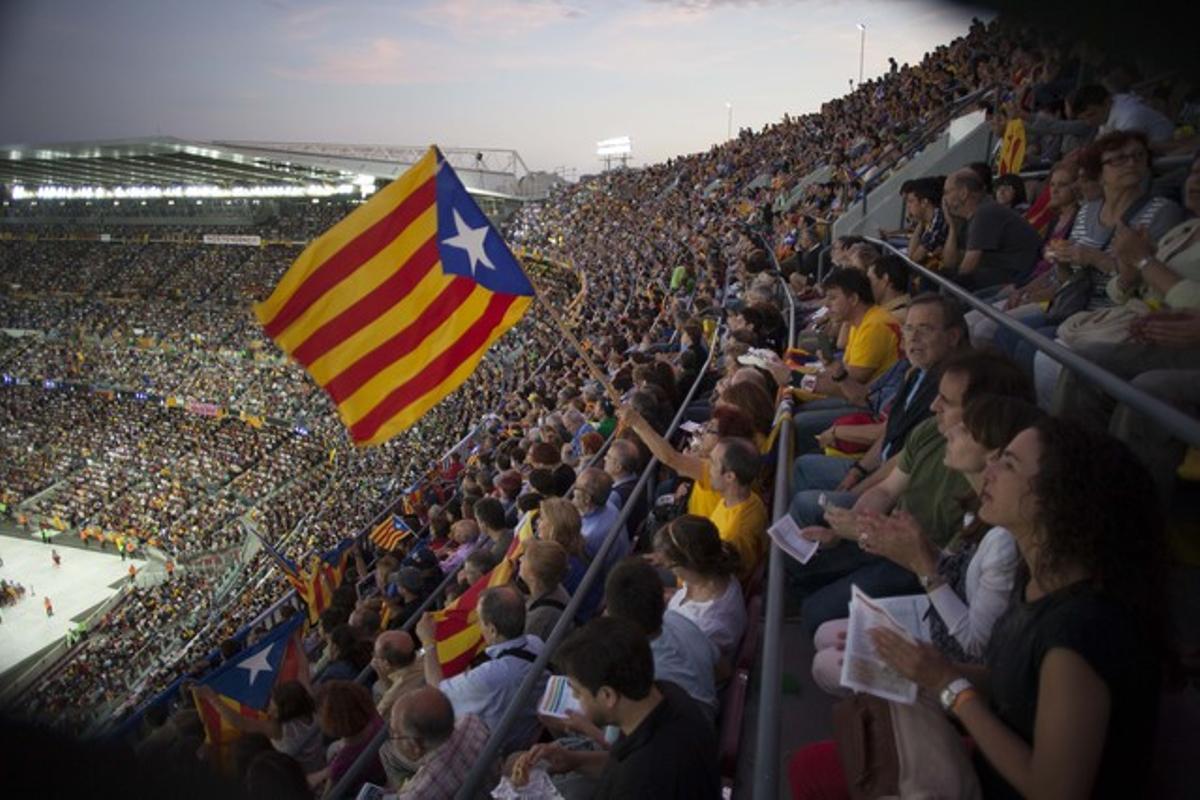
{"points": [[1122, 160]]}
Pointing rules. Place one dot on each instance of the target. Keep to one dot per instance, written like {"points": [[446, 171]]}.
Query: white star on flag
{"points": [[257, 663], [470, 240]]}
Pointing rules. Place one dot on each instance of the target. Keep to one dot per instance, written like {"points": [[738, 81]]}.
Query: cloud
{"points": [[477, 19], [383, 61]]}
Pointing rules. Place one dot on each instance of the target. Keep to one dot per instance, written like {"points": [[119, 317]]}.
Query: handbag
{"points": [[1101, 326], [899, 750], [1070, 298], [1074, 295], [866, 745]]}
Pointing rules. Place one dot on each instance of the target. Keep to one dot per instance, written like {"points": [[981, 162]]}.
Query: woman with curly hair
{"points": [[706, 569], [1065, 705]]}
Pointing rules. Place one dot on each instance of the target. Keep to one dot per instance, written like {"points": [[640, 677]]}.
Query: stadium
{"points": [[854, 456]]}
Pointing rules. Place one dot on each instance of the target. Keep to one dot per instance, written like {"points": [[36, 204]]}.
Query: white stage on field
{"points": [[83, 581]]}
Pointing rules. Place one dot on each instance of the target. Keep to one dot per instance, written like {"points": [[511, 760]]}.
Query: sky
{"points": [[548, 78]]}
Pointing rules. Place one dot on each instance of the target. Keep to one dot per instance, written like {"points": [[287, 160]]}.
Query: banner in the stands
{"points": [[233, 239]]}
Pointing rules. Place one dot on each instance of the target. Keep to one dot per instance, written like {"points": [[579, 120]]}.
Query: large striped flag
{"points": [[391, 532], [392, 308], [456, 627], [243, 684]]}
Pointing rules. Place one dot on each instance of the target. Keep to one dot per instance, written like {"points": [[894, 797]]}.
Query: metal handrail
{"points": [[490, 752], [770, 692], [1178, 423]]}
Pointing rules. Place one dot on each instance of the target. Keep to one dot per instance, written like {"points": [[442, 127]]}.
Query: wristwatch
{"points": [[950, 694]]}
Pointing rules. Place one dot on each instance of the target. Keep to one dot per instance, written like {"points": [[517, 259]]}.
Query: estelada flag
{"points": [[392, 308], [456, 627], [391, 532], [1012, 148], [244, 683]]}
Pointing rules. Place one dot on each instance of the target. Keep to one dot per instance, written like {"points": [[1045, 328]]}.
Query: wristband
{"points": [[860, 469], [962, 697]]}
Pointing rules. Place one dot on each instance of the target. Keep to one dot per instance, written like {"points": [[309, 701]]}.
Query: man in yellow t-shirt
{"points": [[740, 516], [873, 345]]}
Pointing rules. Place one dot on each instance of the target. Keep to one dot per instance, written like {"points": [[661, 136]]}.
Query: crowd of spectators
{"points": [[925, 467]]}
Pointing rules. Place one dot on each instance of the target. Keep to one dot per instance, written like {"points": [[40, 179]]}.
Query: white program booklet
{"points": [[786, 533], [862, 668], [558, 699]]}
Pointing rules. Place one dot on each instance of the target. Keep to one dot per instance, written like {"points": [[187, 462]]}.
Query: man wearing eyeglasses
{"points": [[426, 743]]}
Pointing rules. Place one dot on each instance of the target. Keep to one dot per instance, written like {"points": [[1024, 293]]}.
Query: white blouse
{"points": [[990, 576]]}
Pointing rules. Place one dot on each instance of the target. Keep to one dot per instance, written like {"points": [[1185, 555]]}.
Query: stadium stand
{"points": [[143, 408]]}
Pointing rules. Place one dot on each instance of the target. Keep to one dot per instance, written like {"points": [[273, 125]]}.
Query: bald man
{"points": [[396, 666], [1001, 247], [427, 745]]}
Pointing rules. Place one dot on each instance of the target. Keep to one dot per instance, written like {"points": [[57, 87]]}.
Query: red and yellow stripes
{"points": [[456, 628], [369, 312]]}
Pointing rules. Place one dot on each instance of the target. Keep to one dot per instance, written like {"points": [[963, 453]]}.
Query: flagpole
{"points": [[597, 373]]}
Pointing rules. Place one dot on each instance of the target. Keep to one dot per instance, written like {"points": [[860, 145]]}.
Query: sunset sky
{"points": [[544, 77]]}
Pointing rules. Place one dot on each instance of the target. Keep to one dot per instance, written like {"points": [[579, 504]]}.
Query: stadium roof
{"points": [[168, 161]]}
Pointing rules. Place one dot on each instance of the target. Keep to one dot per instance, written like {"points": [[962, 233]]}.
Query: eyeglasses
{"points": [[1127, 157], [915, 331]]}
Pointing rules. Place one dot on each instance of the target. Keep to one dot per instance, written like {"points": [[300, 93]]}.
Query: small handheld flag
{"points": [[391, 532], [392, 308]]}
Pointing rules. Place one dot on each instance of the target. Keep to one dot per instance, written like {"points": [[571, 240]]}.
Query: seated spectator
{"points": [[350, 654], [410, 589], [430, 754], [490, 515], [1079, 650], [969, 583], [706, 568], [731, 470], [396, 668], [666, 748], [347, 716], [623, 463], [873, 344], [477, 565], [559, 522], [1122, 162], [543, 568], [289, 725], [1000, 247], [465, 534], [923, 205], [889, 286], [683, 654], [1009, 191], [919, 483], [488, 687], [592, 496]]}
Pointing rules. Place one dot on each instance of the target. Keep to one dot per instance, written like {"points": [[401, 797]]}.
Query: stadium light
{"points": [[862, 49]]}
